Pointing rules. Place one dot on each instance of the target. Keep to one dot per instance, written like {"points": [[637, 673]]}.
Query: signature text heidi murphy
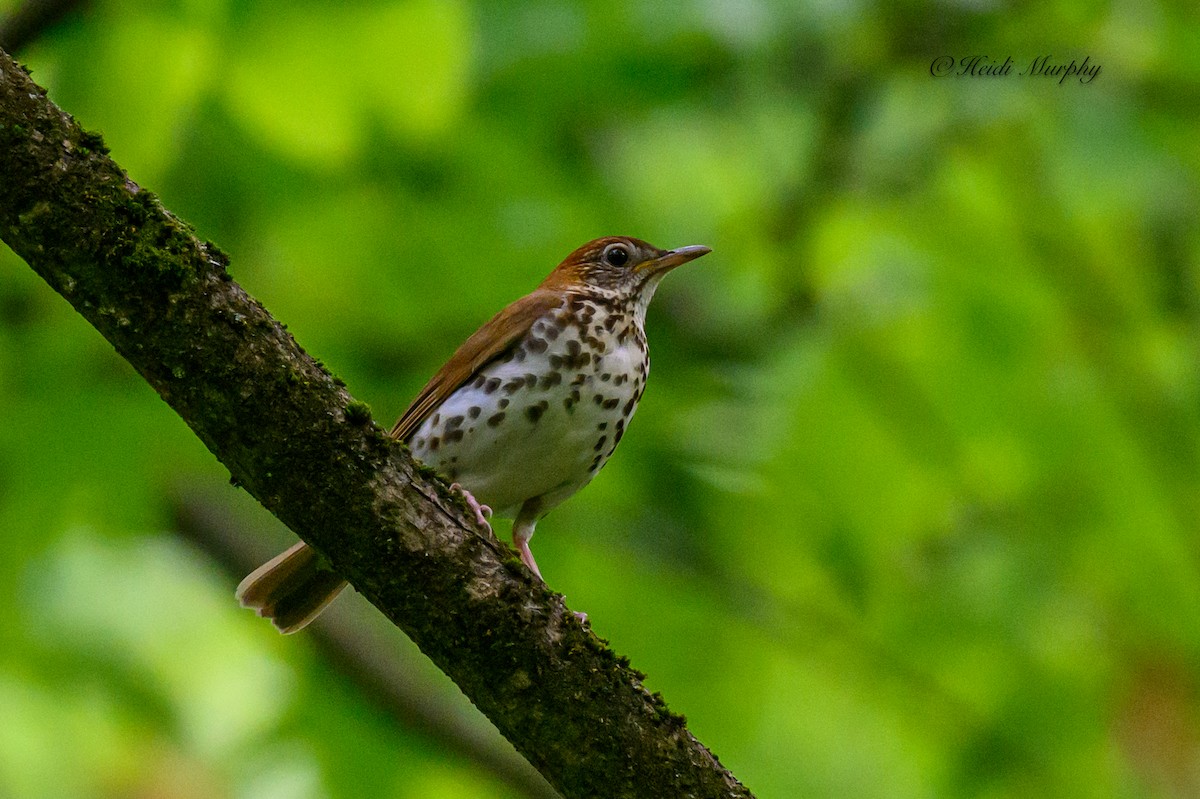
{"points": [[1044, 66]]}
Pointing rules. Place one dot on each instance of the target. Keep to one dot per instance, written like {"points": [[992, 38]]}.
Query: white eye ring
{"points": [[616, 254]]}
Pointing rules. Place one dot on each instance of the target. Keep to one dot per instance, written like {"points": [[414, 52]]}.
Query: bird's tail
{"points": [[291, 589]]}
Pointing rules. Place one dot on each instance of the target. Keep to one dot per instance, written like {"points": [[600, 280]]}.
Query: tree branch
{"points": [[362, 651], [293, 437]]}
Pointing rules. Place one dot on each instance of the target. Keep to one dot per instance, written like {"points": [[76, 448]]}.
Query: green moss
{"points": [[150, 243], [380, 437], [358, 412], [34, 215], [427, 472], [93, 142], [217, 259]]}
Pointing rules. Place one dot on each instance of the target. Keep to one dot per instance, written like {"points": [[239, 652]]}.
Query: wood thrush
{"points": [[523, 415]]}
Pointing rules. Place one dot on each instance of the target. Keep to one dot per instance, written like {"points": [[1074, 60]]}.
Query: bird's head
{"points": [[620, 266]]}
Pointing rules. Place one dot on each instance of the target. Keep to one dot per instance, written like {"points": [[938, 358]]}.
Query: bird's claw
{"points": [[482, 512]]}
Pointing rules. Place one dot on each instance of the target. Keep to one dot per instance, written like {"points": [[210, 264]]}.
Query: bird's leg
{"points": [[521, 538], [523, 531], [482, 512]]}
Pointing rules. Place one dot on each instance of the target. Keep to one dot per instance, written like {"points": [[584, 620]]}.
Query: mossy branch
{"points": [[293, 437]]}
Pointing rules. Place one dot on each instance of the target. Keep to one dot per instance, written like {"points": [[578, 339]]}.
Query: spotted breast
{"points": [[542, 419]]}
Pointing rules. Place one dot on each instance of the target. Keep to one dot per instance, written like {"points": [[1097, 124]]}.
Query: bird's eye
{"points": [[616, 255]]}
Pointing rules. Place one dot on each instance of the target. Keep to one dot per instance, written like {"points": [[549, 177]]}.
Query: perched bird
{"points": [[523, 415]]}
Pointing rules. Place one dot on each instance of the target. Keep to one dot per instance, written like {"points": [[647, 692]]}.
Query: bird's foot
{"points": [[482, 512]]}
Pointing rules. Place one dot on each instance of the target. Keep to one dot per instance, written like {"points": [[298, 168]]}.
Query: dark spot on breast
{"points": [[536, 344], [454, 435], [602, 426], [606, 376], [534, 412], [579, 379], [513, 385], [455, 421], [551, 333], [530, 379], [495, 419], [599, 398], [620, 432], [479, 381], [577, 361], [436, 420], [600, 444], [420, 442], [550, 379], [620, 379], [492, 385], [611, 403], [629, 406], [610, 324], [595, 463], [572, 347], [519, 354], [434, 443], [556, 361], [473, 412], [502, 404]]}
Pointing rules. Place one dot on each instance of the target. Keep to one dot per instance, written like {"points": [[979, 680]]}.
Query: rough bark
{"points": [[294, 438]]}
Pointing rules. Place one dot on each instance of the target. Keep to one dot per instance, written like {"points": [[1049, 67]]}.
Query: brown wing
{"points": [[485, 344]]}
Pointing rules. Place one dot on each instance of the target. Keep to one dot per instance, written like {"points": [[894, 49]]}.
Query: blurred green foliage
{"points": [[910, 508]]}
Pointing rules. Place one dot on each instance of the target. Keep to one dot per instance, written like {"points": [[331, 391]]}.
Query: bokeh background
{"points": [[909, 509]]}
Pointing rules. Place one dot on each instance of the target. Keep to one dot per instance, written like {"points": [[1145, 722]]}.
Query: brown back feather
{"points": [[486, 344]]}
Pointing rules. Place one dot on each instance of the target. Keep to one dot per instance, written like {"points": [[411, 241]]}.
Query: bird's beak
{"points": [[673, 258]]}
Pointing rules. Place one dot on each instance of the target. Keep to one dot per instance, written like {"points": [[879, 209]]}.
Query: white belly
{"points": [[529, 429]]}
